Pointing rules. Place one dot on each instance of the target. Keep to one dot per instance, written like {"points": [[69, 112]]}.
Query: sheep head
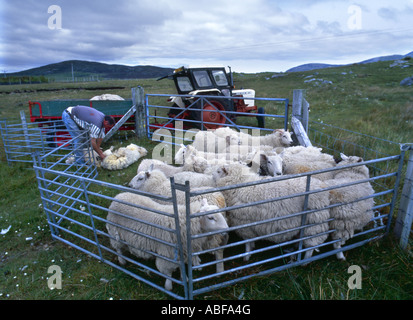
{"points": [[214, 221], [284, 136], [139, 180], [273, 164], [346, 160]]}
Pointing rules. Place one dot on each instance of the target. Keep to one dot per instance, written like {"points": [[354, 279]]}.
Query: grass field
{"points": [[362, 98]]}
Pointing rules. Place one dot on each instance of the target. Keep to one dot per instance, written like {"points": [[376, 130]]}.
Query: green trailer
{"points": [[51, 112]]}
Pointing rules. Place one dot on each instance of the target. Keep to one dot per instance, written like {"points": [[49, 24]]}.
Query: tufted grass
{"points": [[369, 100]]}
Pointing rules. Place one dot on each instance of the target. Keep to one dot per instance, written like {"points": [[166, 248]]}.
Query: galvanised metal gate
{"points": [[21, 139], [157, 118]]}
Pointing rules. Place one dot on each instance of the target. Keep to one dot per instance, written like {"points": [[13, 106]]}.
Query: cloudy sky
{"points": [[248, 35]]}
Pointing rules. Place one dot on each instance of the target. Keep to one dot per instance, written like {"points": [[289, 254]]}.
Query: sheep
{"points": [[278, 138], [107, 96], [184, 155], [169, 170], [208, 141], [123, 157], [238, 174], [196, 179], [90, 156], [130, 229], [155, 182], [299, 159], [354, 214], [266, 163]]}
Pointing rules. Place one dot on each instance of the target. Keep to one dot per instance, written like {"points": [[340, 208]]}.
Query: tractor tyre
{"points": [[208, 113], [261, 119]]}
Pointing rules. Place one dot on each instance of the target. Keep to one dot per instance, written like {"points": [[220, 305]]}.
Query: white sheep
{"points": [[264, 162], [123, 157], [128, 228], [209, 142], [167, 169], [299, 159], [90, 156], [196, 179], [354, 214], [278, 138], [107, 96], [283, 209], [155, 182], [171, 170]]}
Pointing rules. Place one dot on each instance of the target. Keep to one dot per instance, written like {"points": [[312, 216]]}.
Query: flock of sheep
{"points": [[225, 157]]}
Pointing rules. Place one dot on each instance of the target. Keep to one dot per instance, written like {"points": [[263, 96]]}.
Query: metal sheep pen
{"points": [[76, 203], [77, 208]]}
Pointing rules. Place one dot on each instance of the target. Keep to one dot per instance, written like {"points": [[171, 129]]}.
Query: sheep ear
{"points": [[277, 132], [263, 157], [343, 156], [147, 174], [150, 168]]}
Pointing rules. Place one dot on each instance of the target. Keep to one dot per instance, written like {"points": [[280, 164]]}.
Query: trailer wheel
{"points": [[208, 113]]}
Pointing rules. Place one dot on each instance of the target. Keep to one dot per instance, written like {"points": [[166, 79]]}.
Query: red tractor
{"points": [[224, 105]]}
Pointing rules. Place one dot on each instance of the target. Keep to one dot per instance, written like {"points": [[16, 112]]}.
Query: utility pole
{"points": [[73, 76]]}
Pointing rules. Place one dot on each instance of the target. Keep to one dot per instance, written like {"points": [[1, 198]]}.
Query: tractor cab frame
{"points": [[209, 113]]}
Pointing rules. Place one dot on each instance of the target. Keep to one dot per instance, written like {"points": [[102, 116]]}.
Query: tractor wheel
{"points": [[208, 113], [261, 119]]}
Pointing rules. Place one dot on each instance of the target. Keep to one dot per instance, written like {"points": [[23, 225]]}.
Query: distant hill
{"points": [[101, 70], [313, 66]]}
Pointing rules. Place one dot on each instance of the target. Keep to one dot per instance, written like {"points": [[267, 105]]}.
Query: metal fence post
{"points": [[404, 219], [44, 195], [25, 129], [178, 238], [4, 135]]}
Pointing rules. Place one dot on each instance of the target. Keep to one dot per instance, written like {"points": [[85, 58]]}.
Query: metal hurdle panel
{"points": [[269, 257], [21, 139], [77, 207]]}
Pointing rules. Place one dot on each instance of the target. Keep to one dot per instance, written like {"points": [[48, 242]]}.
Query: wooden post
{"points": [[138, 98], [299, 117], [301, 107]]}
